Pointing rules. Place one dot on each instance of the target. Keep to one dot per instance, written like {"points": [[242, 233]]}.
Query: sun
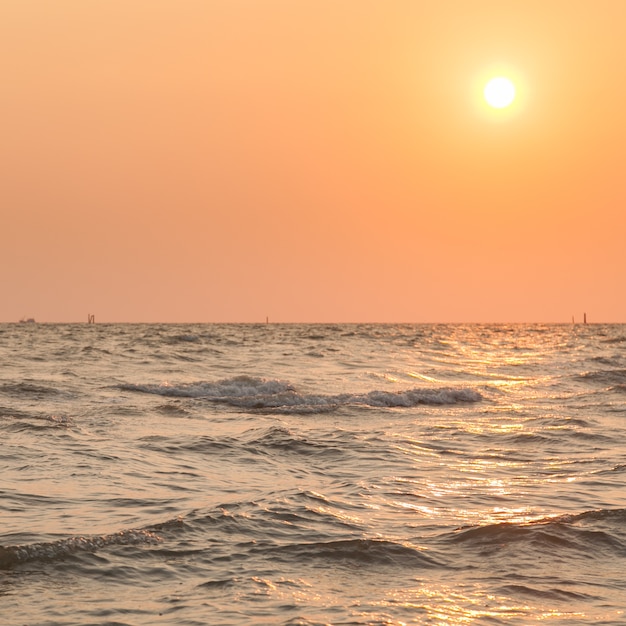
{"points": [[499, 92]]}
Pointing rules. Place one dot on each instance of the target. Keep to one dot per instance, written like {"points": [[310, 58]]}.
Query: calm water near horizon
{"points": [[312, 474]]}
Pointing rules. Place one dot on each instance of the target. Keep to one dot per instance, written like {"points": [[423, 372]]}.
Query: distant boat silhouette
{"points": [[27, 320]]}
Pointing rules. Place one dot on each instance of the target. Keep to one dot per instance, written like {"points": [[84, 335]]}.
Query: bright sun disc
{"points": [[499, 92]]}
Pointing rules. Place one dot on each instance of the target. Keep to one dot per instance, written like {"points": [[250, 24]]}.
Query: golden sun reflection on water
{"points": [[457, 607], [498, 480], [427, 602]]}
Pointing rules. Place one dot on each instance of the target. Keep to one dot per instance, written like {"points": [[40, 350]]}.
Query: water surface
{"points": [[313, 474]]}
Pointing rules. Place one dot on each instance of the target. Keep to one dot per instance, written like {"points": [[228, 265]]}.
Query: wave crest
{"points": [[372, 552], [587, 533], [248, 392], [55, 550]]}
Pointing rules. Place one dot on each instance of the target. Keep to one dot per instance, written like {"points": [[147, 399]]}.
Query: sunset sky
{"points": [[312, 160]]}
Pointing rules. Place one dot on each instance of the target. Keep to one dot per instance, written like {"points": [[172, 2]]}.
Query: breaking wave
{"points": [[258, 393], [11, 556]]}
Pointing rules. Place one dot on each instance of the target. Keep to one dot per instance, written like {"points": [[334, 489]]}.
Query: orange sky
{"points": [[311, 160]]}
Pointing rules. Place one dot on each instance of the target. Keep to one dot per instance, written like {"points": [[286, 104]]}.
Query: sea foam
{"points": [[258, 393]]}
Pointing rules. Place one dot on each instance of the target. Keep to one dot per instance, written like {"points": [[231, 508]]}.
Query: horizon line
{"points": [[318, 323]]}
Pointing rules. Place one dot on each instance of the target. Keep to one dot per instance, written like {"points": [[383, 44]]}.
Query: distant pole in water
{"points": [[267, 320], [91, 318], [584, 318], [573, 322]]}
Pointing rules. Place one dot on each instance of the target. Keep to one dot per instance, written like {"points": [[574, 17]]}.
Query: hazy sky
{"points": [[312, 160]]}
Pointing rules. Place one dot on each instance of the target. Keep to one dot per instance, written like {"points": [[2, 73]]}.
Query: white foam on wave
{"points": [[259, 393], [228, 388], [414, 397], [13, 555]]}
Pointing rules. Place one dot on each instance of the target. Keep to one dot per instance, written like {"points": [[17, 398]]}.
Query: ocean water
{"points": [[312, 474]]}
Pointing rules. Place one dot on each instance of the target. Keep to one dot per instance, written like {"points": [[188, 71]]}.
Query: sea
{"points": [[306, 474]]}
